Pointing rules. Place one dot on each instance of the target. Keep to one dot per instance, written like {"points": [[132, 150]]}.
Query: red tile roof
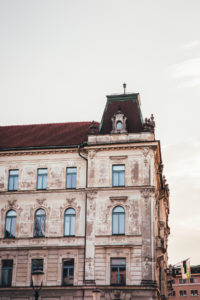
{"points": [[44, 135]]}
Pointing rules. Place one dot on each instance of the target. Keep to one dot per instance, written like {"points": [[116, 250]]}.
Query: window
{"points": [[39, 228], [71, 178], [41, 179], [70, 222], [37, 264], [6, 272], [182, 281], [67, 271], [13, 180], [118, 271], [173, 294], [183, 293], [118, 220], [118, 175], [10, 226], [193, 280], [194, 293]]}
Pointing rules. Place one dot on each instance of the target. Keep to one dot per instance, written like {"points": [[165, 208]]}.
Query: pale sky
{"points": [[59, 59]]}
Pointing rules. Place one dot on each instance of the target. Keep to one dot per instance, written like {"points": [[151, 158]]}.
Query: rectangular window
{"points": [[13, 180], [68, 272], [183, 293], [6, 273], [41, 179], [118, 271], [194, 293], [182, 281], [193, 280], [118, 175], [71, 178]]}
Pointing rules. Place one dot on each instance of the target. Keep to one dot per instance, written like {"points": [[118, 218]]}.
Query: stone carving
{"points": [[70, 200], [93, 128], [12, 203], [119, 122], [149, 124], [41, 201], [165, 184]]}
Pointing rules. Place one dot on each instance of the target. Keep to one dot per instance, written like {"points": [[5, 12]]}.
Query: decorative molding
{"points": [[118, 157], [119, 119], [97, 147], [118, 198]]}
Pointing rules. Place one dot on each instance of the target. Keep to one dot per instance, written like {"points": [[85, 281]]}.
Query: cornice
{"points": [[102, 147], [89, 189]]}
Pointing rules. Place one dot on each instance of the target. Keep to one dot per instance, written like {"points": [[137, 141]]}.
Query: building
{"points": [[87, 204], [189, 288]]}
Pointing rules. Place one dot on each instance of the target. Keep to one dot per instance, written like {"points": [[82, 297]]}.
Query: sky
{"points": [[60, 58]]}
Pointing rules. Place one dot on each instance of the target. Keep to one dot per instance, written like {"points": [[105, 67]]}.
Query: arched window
{"points": [[10, 228], [39, 223], [118, 220], [70, 222]]}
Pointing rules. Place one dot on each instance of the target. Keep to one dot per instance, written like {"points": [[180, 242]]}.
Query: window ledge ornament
{"points": [[119, 122]]}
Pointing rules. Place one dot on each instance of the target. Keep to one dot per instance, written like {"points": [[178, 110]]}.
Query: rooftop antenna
{"points": [[124, 86]]}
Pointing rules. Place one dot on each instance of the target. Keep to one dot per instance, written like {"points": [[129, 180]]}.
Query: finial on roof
{"points": [[124, 86]]}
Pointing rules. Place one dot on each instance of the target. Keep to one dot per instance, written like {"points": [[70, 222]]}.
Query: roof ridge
{"points": [[46, 124]]}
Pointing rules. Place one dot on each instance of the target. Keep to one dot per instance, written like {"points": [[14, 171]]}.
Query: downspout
{"points": [[86, 185]]}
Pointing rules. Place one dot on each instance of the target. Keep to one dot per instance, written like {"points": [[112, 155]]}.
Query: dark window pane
{"points": [[10, 226], [39, 229], [6, 275], [68, 272], [118, 271]]}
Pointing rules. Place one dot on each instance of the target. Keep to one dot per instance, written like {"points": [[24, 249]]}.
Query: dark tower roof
{"points": [[129, 104]]}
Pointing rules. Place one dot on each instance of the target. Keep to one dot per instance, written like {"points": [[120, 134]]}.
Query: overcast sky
{"points": [[59, 59]]}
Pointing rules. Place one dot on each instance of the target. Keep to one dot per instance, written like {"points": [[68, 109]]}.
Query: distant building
{"points": [[188, 288], [87, 204]]}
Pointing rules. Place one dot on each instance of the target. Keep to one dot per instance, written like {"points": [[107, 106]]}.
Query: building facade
{"points": [[187, 288], [87, 204]]}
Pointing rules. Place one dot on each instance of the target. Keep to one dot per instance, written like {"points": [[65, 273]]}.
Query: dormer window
{"points": [[119, 122]]}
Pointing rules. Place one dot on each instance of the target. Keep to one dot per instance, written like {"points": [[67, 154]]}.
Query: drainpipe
{"points": [[86, 185]]}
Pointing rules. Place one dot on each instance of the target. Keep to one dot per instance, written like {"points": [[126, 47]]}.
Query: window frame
{"points": [[13, 179], [11, 218], [40, 217], [69, 178], [119, 266], [118, 173], [36, 268], [118, 215], [183, 292], [194, 292], [42, 176], [8, 270], [70, 216], [68, 268]]}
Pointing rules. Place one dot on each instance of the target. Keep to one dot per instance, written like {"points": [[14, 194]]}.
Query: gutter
{"points": [[86, 185]]}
